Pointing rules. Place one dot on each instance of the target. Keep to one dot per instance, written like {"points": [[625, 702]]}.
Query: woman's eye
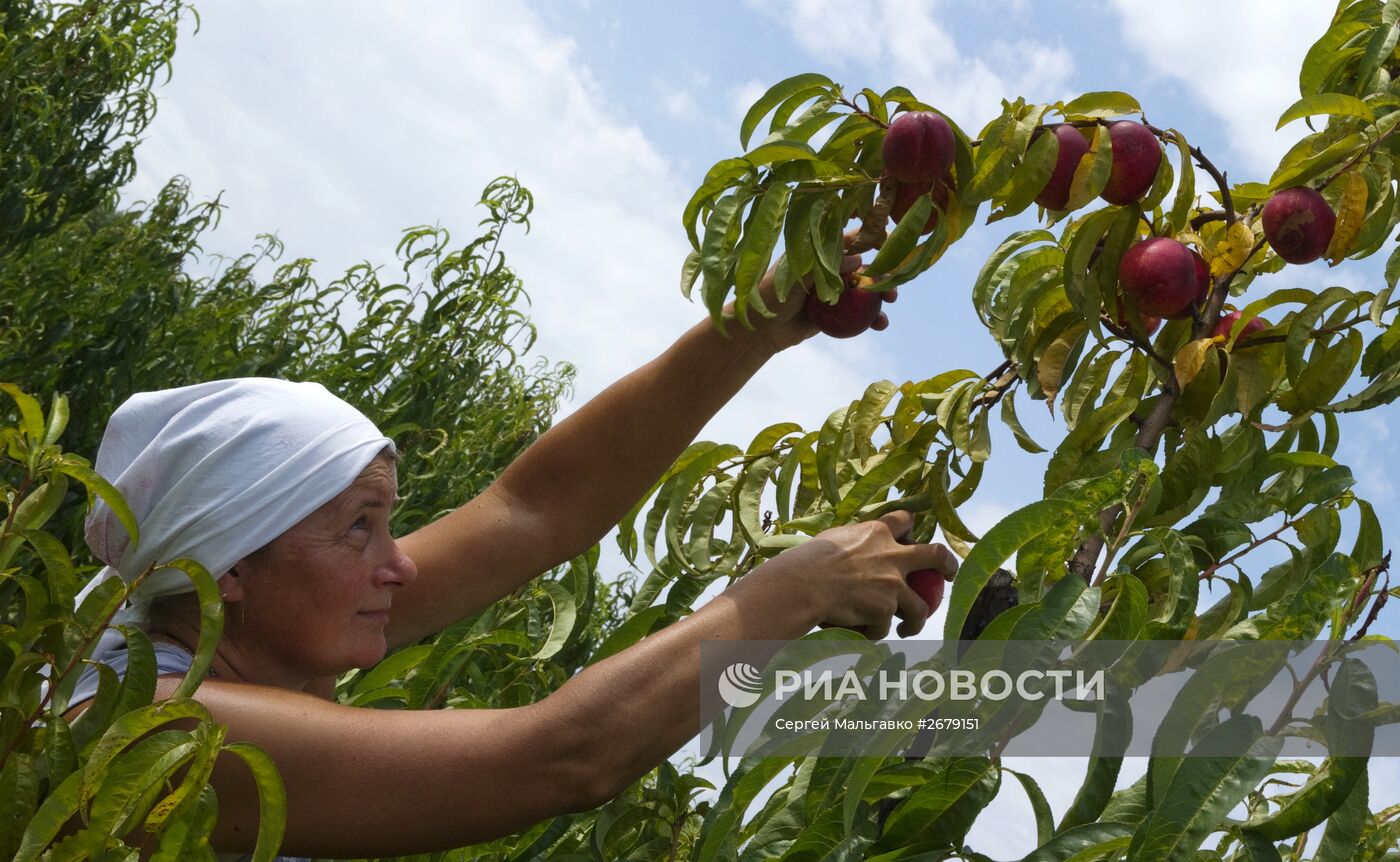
{"points": [[361, 524]]}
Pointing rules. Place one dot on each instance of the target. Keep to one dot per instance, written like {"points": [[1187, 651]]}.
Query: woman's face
{"points": [[317, 602]]}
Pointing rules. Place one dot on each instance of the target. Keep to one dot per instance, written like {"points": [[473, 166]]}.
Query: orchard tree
{"points": [[1199, 428]]}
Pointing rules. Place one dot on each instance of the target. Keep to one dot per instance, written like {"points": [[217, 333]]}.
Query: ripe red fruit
{"points": [[1149, 323], [1203, 285], [852, 314], [1227, 322], [1073, 146], [906, 193], [918, 147], [1298, 224], [1136, 157], [1160, 275], [929, 585]]}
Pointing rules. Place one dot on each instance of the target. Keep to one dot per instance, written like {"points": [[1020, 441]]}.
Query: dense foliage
{"points": [[1184, 453]]}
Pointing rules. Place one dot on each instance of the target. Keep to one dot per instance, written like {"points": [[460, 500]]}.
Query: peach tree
{"points": [[1197, 431]]}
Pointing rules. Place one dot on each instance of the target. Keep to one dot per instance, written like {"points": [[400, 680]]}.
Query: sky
{"points": [[338, 126]]}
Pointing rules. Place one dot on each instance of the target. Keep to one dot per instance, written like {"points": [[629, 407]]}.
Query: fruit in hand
{"points": [[1072, 148], [918, 147], [1227, 322], [1136, 157], [852, 314], [906, 193], [1298, 224], [929, 585], [1160, 275]]}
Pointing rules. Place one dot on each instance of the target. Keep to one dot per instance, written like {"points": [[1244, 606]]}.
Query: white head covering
{"points": [[215, 471]]}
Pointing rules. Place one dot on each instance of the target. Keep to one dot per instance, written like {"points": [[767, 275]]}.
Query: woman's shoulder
{"points": [[170, 659]]}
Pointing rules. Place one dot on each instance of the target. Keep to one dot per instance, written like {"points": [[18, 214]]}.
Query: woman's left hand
{"points": [[789, 325]]}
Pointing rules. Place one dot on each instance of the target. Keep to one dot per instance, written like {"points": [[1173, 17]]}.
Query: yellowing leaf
{"points": [[1232, 250], [1050, 368], [1190, 358], [1351, 213]]}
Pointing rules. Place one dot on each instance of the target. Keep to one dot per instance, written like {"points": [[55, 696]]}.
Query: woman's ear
{"points": [[231, 586]]}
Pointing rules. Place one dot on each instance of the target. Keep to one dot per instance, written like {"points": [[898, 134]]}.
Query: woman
{"points": [[283, 492]]}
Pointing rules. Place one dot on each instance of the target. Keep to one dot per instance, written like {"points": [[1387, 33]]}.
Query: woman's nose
{"points": [[400, 569]]}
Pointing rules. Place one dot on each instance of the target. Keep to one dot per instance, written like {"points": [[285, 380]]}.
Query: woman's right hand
{"points": [[856, 574]]}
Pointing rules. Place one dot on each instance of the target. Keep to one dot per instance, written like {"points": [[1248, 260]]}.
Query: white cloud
{"points": [[908, 43], [1245, 81], [339, 142]]}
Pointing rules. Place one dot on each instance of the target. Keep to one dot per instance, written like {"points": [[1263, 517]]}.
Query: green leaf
{"points": [[31, 414], [876, 482], [58, 419], [107, 491], [637, 626], [125, 730], [779, 151], [272, 799], [1347, 824], [720, 834], [995, 159], [1325, 791], [715, 254], [1092, 174], [1106, 103], [960, 778], [1030, 176], [1225, 766], [1331, 104], [690, 271], [999, 543], [1044, 817], [756, 249], [776, 94], [211, 624], [1380, 47], [1009, 418], [1085, 843], [1185, 184], [1113, 730], [563, 622], [902, 239]]}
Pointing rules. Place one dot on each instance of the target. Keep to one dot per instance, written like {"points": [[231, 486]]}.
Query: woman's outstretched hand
{"points": [[790, 325], [858, 574]]}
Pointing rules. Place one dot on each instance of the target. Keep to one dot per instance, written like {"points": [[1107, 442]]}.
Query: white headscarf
{"points": [[215, 471]]}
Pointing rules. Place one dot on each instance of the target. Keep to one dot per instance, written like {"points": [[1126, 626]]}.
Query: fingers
{"points": [[882, 322], [936, 557], [890, 295], [850, 263], [912, 608], [899, 522]]}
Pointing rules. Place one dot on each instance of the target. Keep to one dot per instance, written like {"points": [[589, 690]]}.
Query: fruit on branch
{"points": [[929, 584], [906, 193], [1149, 322], [1298, 224], [853, 313], [1203, 286], [1073, 146], [1227, 322], [1160, 275], [1136, 156], [918, 147]]}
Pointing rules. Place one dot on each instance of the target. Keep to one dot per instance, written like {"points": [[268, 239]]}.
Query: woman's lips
{"points": [[380, 617]]}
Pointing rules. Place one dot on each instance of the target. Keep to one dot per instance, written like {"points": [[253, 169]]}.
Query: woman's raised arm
{"points": [[364, 782]]}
